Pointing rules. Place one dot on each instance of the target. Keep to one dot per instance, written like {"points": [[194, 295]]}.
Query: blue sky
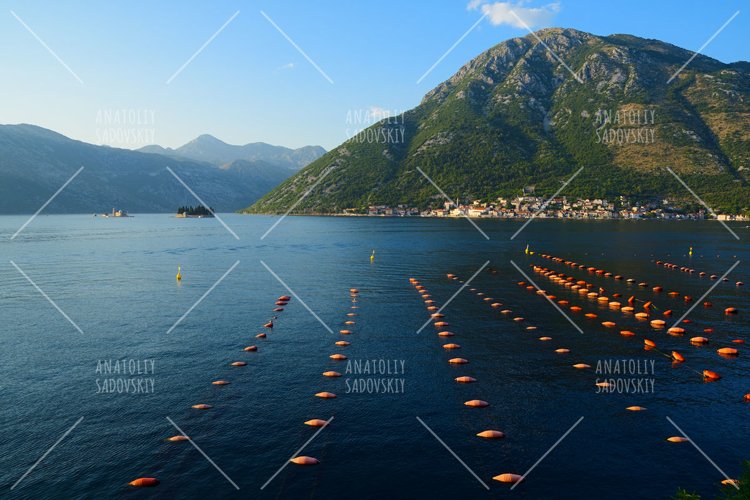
{"points": [[250, 84]]}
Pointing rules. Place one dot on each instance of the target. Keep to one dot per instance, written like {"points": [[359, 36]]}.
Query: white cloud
{"points": [[377, 113], [502, 13], [285, 66]]}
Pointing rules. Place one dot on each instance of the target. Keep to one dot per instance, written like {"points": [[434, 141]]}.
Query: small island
{"points": [[198, 212]]}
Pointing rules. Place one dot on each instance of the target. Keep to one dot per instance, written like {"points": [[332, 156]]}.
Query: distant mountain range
{"points": [[35, 162], [210, 149], [514, 116]]}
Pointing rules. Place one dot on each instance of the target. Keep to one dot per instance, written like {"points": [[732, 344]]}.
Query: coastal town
{"points": [[556, 208]]}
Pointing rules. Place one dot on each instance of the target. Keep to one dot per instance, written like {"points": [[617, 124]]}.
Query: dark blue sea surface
{"points": [[115, 279]]}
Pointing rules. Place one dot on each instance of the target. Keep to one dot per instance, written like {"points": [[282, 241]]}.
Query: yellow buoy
{"points": [[179, 274]]}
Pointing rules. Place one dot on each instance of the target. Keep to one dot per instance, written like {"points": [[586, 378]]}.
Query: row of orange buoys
{"points": [[281, 302], [692, 271], [440, 323], [349, 323], [676, 357], [567, 281], [643, 284]]}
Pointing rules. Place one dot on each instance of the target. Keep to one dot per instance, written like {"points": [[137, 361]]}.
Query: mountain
{"points": [[36, 162], [212, 150], [514, 116]]}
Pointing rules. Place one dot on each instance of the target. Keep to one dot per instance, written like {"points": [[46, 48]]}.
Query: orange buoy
{"points": [[477, 403], [238, 363], [635, 408], [506, 311], [337, 357], [544, 339], [678, 357], [316, 422], [562, 351], [458, 361], [305, 461], [603, 384], [531, 328], [728, 351], [285, 298], [677, 439], [710, 375], [440, 324], [575, 308], [668, 312], [699, 340], [627, 333], [608, 324], [465, 379], [627, 309], [144, 482], [278, 309], [451, 346], [280, 303], [177, 438], [345, 332], [325, 395], [445, 334], [590, 315], [676, 330], [658, 323], [747, 397], [491, 434], [250, 348], [269, 324], [508, 478], [614, 305], [432, 308], [518, 319], [220, 382], [348, 322], [261, 336], [437, 315], [649, 343], [731, 310], [731, 482], [496, 305], [342, 343], [202, 406], [331, 374], [581, 366]]}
